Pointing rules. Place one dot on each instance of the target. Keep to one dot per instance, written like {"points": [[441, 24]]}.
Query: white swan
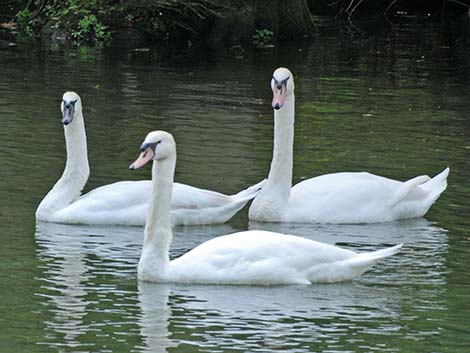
{"points": [[250, 257], [124, 202], [332, 198]]}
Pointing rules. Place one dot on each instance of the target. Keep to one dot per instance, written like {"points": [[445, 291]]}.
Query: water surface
{"points": [[392, 102]]}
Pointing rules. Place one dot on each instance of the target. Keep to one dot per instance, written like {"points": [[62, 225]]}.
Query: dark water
{"points": [[392, 101]]}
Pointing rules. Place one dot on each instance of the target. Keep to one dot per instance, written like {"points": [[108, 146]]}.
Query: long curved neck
{"points": [[158, 236], [277, 188], [280, 173], [76, 172], [271, 202]]}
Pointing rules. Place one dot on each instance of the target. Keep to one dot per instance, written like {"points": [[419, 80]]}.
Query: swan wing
{"points": [[124, 202], [265, 258], [341, 198], [358, 198], [190, 197]]}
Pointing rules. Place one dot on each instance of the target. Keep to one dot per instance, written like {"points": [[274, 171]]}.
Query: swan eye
{"points": [[152, 145], [280, 83], [69, 104]]}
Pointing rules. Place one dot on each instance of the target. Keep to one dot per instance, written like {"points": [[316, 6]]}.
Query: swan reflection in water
{"points": [[89, 283]]}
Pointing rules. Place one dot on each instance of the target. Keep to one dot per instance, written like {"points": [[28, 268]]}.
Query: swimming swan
{"points": [[337, 197], [123, 202], [250, 257]]}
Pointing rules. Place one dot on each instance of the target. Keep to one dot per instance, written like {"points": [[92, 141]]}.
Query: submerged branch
{"points": [[390, 6], [459, 3]]}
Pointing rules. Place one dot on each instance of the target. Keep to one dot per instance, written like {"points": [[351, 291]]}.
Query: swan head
{"points": [[158, 145], [70, 106], [282, 85]]}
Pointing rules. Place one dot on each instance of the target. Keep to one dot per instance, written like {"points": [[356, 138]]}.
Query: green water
{"points": [[393, 102]]}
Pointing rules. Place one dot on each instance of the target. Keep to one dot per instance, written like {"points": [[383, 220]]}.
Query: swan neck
{"points": [[280, 173], [77, 154], [75, 175], [158, 235]]}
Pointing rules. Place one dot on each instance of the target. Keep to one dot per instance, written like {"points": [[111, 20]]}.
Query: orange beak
{"points": [[279, 96], [143, 159]]}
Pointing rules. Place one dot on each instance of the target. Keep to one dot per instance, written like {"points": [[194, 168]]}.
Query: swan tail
{"points": [[417, 195], [249, 193], [406, 188], [218, 214], [379, 254], [435, 186], [239, 200], [363, 261], [347, 269]]}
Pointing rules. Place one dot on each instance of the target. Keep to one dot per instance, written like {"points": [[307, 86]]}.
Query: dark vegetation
{"points": [[259, 22]]}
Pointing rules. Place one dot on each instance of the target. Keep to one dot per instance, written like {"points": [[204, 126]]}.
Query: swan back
{"points": [[268, 258]]}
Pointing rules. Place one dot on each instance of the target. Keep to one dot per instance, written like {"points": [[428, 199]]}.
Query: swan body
{"points": [[249, 257], [267, 258], [124, 202], [338, 197]]}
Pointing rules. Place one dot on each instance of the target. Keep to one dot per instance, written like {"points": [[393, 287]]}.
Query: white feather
{"points": [[339, 197], [251, 257], [126, 202]]}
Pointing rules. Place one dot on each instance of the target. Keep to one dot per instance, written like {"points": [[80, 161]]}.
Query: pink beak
{"points": [[279, 96], [143, 158]]}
